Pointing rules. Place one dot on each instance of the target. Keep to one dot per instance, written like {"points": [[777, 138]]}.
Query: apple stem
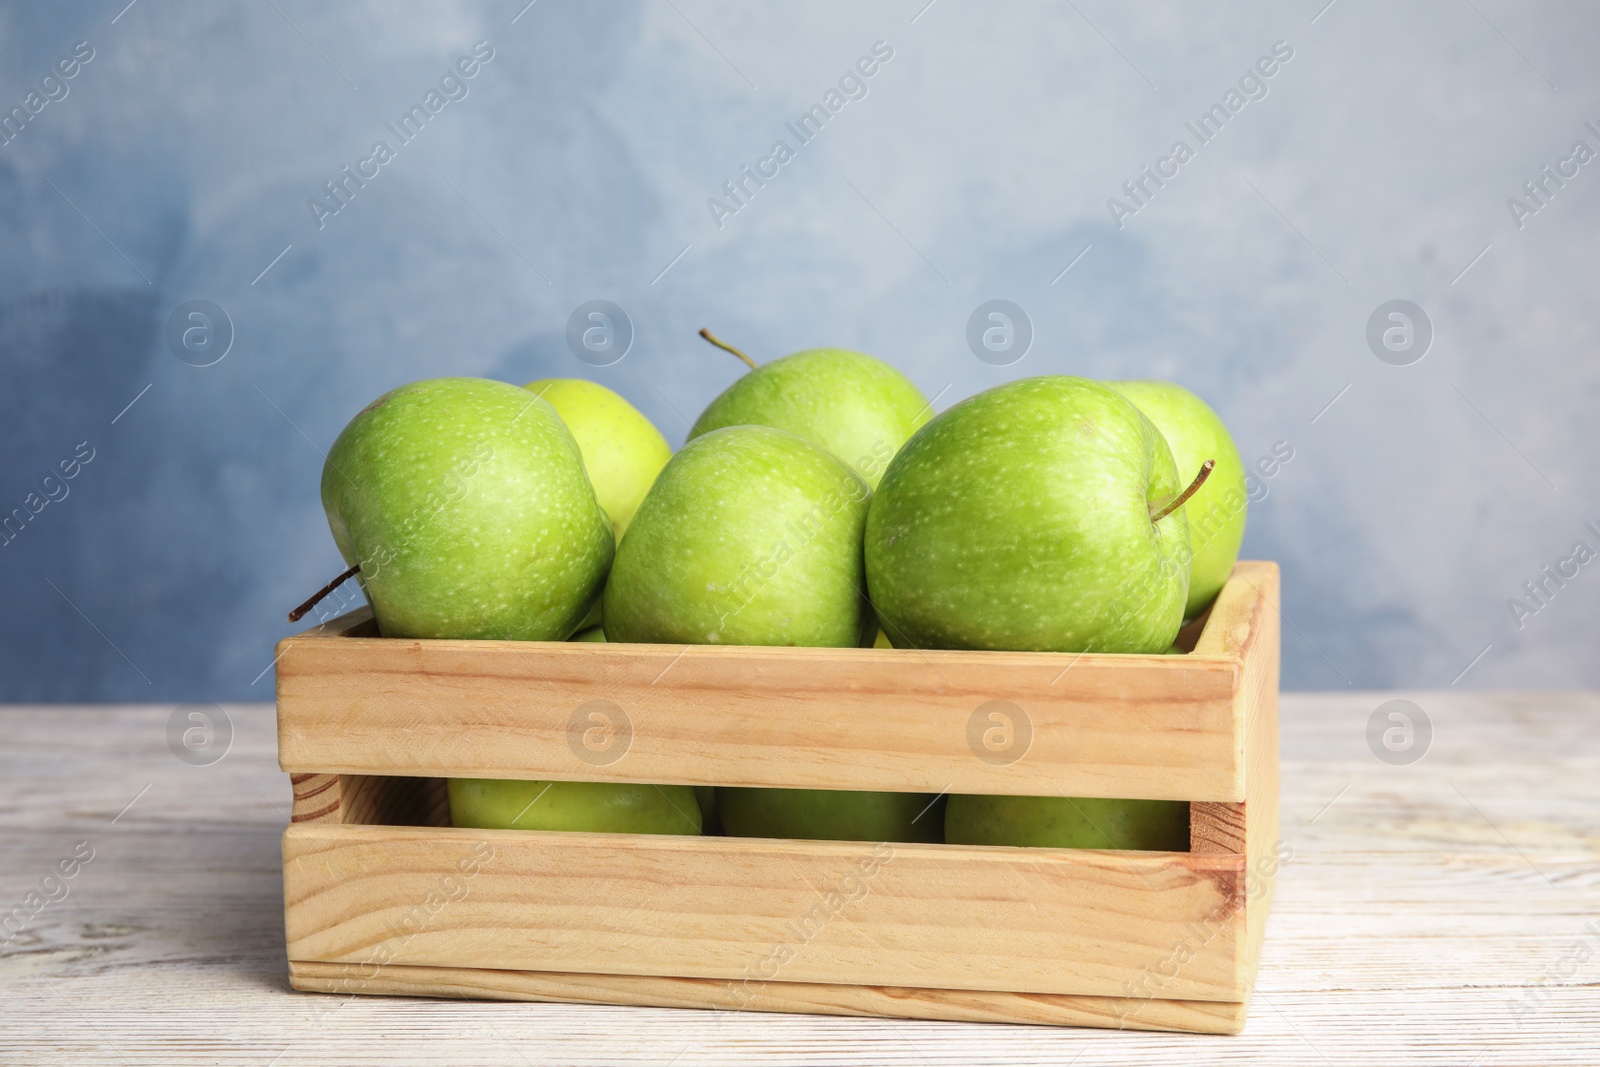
{"points": [[316, 598], [1178, 501], [709, 336]]}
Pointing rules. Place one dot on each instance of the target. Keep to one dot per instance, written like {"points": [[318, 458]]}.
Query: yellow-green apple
{"points": [[622, 450], [1216, 512]]}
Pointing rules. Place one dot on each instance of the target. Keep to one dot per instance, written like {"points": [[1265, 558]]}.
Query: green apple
{"points": [[1216, 512], [1068, 822], [857, 407], [750, 536], [466, 504], [594, 806], [829, 814], [591, 807], [1031, 517], [622, 450]]}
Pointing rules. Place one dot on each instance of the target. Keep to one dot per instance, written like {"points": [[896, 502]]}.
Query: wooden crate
{"points": [[383, 896]]}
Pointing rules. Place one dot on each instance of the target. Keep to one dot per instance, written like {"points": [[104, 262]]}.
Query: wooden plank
{"points": [[1232, 614], [1216, 827], [317, 798], [1260, 655], [962, 1005], [745, 909], [1244, 623], [1157, 727]]}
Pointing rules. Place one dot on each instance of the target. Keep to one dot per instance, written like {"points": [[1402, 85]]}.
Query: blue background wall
{"points": [[978, 165]]}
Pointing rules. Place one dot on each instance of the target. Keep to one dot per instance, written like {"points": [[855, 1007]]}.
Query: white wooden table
{"points": [[1444, 912]]}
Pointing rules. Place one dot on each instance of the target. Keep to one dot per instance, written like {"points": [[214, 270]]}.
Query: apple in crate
{"points": [[466, 505], [622, 450], [591, 807], [1041, 515], [855, 406], [752, 536], [1030, 517], [1068, 822], [830, 814]]}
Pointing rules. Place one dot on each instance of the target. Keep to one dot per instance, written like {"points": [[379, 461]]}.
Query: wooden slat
{"points": [[1260, 656], [1156, 727], [1075, 922], [964, 1005], [1244, 622], [1216, 827], [1231, 615], [317, 798]]}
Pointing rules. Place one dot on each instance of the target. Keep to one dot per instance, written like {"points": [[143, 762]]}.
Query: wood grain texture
{"points": [[369, 800], [1260, 655], [1433, 914], [318, 798], [964, 1005], [1216, 827], [1158, 727], [750, 910]]}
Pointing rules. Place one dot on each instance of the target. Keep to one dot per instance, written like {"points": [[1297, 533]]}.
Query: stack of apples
{"points": [[817, 502]]}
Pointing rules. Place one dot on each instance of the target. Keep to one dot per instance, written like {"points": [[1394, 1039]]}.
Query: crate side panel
{"points": [[738, 909], [1157, 727], [961, 1005]]}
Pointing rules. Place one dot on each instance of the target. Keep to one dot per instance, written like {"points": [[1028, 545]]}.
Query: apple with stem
{"points": [[855, 406], [464, 507], [1040, 515]]}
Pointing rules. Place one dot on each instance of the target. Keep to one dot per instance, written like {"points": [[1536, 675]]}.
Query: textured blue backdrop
{"points": [[581, 159]]}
